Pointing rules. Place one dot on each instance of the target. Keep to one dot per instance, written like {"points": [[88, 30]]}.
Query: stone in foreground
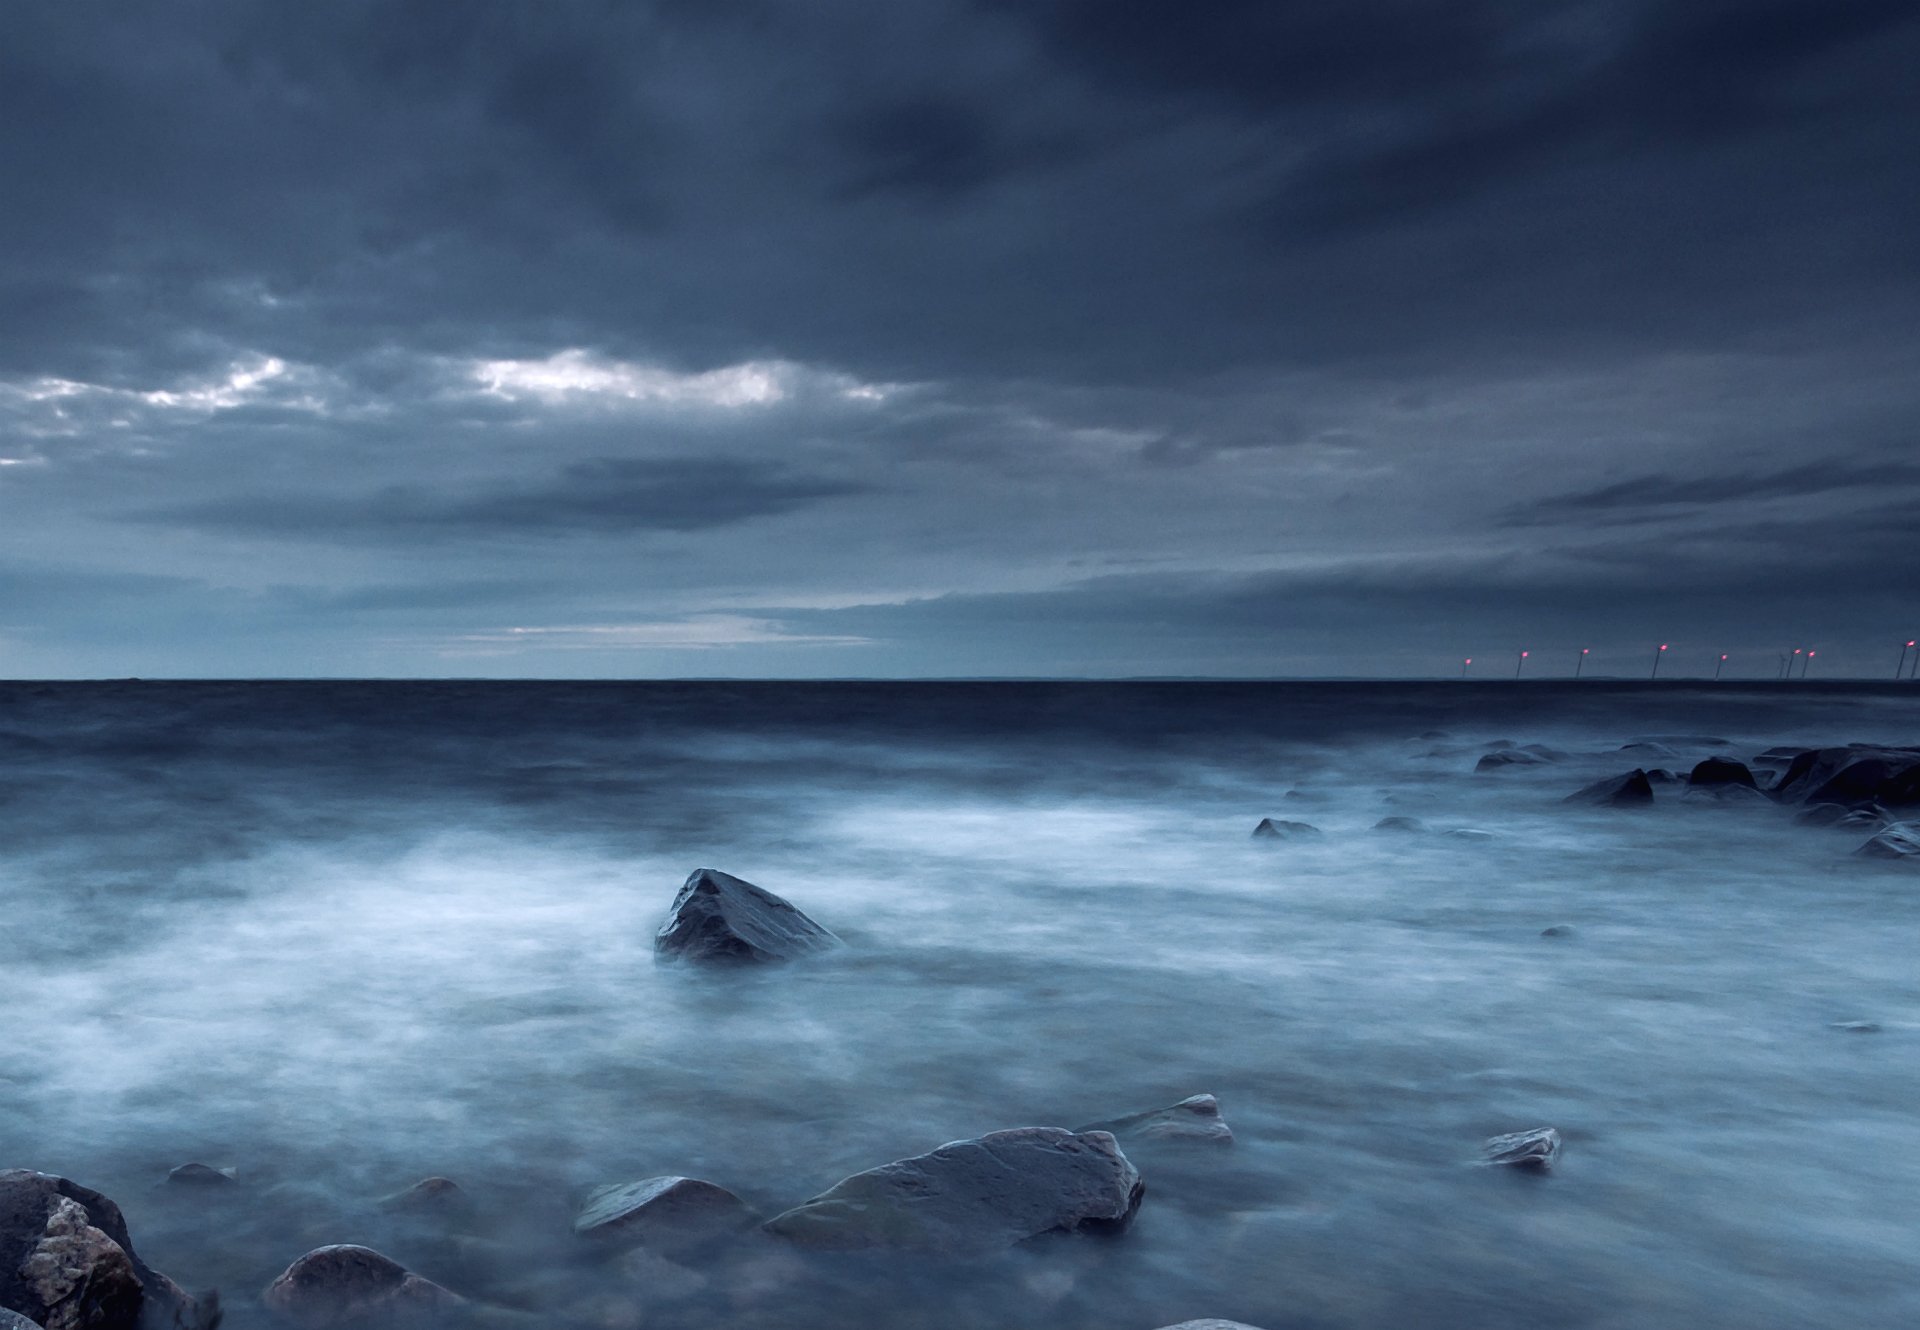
{"points": [[973, 1198], [667, 1214], [348, 1285], [1275, 828], [1536, 1149], [1196, 1118], [719, 917], [15, 1321], [1632, 790], [67, 1263]]}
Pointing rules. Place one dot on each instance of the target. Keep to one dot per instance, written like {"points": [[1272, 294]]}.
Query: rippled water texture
{"points": [[341, 936]]}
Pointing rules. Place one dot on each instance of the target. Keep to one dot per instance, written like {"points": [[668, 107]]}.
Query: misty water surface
{"points": [[341, 936]]}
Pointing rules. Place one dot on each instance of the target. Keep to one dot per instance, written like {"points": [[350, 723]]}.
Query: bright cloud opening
{"points": [[577, 375]]}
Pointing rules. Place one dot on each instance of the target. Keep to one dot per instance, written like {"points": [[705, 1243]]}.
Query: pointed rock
{"points": [[1901, 841], [666, 1214], [973, 1198], [200, 1175], [66, 1260], [718, 916], [1196, 1118], [347, 1285], [1632, 790]]}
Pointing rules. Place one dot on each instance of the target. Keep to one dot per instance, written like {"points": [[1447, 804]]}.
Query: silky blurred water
{"points": [[342, 936]]}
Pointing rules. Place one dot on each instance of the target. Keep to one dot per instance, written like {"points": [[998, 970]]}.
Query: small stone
{"points": [[429, 1196], [1536, 1149], [667, 1213], [1210, 1323], [1857, 1027], [1196, 1118], [1557, 930], [1399, 824], [1473, 834], [347, 1285], [1273, 828], [719, 917], [1631, 790], [200, 1175]]}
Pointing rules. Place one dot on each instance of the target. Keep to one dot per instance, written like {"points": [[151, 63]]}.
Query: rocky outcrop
{"points": [[665, 1214], [1854, 776], [353, 1286], [1631, 790], [1901, 841], [1274, 828], [1196, 1118], [1536, 1149], [67, 1263], [1719, 771], [719, 917], [973, 1198]]}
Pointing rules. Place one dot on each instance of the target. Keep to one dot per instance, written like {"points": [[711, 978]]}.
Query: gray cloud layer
{"points": [[1050, 336]]}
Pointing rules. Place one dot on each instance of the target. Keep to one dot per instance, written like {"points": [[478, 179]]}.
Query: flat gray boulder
{"points": [[1536, 1149], [974, 1198], [719, 917], [1196, 1118], [1277, 828], [347, 1285], [67, 1262], [665, 1214]]}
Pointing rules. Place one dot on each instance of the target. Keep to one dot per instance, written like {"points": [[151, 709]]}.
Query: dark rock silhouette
{"points": [[973, 1198], [1401, 824], [720, 917], [66, 1261], [1855, 776], [1857, 1027], [1536, 1149], [350, 1286], [1557, 930], [1196, 1118], [1274, 828], [666, 1214], [1717, 771], [1532, 755], [1631, 790]]}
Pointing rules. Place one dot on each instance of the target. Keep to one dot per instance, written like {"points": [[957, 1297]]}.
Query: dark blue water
{"points": [[338, 936]]}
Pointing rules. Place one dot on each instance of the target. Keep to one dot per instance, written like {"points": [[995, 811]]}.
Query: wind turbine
{"points": [[1719, 665], [1656, 661], [1901, 668], [1581, 659], [1520, 663]]}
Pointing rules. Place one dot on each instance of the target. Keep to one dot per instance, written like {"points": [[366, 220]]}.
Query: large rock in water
{"points": [[351, 1286], [1195, 1118], [1856, 775], [718, 916], [67, 1263], [1632, 790], [1536, 1149], [1718, 771], [667, 1214], [973, 1198], [1277, 828]]}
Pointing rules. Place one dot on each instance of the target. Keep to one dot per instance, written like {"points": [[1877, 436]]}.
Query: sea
{"points": [[336, 937]]}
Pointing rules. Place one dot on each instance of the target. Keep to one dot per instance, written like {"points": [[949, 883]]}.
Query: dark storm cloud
{"points": [[1644, 497], [932, 307], [597, 496]]}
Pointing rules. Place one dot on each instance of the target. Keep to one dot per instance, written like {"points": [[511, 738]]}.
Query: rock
{"points": [[973, 1198], [1273, 828], [1721, 771], [1901, 841], [1210, 1323], [1661, 776], [200, 1175], [1474, 834], [15, 1321], [1511, 757], [1855, 775], [1196, 1118], [1632, 790], [1557, 930], [718, 916], [429, 1196], [1536, 1149], [1857, 1027], [1647, 748], [667, 1214], [67, 1262], [1399, 824], [347, 1285], [1682, 740]]}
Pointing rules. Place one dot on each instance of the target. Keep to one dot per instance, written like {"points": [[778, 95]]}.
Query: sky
{"points": [[958, 337]]}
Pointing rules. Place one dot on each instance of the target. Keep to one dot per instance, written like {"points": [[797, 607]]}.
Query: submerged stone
{"points": [[347, 1285], [1196, 1118], [1399, 824], [718, 916], [667, 1213], [1901, 841], [973, 1198], [1210, 1323], [200, 1175], [1631, 790], [430, 1196], [1536, 1149], [1274, 828], [15, 1321]]}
